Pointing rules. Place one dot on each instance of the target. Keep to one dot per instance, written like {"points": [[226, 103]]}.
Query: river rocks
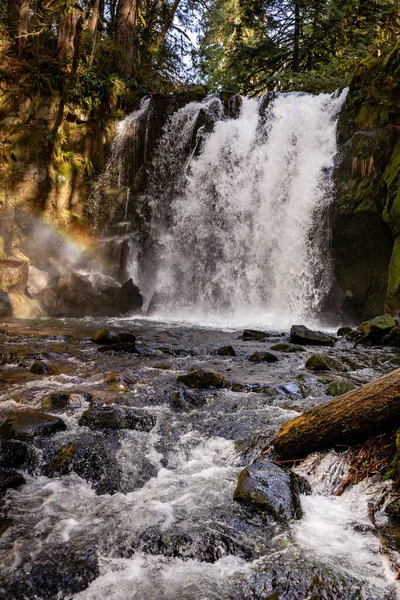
{"points": [[271, 488], [13, 276], [224, 351], [25, 424], [263, 357], [300, 334], [183, 400], [322, 362], [339, 387], [253, 334], [288, 348], [117, 417], [203, 379], [92, 457], [106, 337], [128, 298], [40, 368], [56, 401], [13, 453], [10, 479]]}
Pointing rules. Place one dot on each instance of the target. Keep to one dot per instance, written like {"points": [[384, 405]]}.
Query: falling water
{"points": [[241, 221]]}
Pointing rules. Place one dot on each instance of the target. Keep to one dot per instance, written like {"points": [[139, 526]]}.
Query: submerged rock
{"points": [[56, 401], [300, 334], [183, 400], [25, 424], [120, 348], [40, 368], [288, 348], [224, 351], [337, 388], [117, 417], [271, 488], [106, 337], [263, 357], [10, 479], [203, 380]]}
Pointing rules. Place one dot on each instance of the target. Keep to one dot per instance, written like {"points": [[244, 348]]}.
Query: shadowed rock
{"points": [[300, 334], [117, 417], [10, 479], [203, 380], [263, 357], [25, 424]]}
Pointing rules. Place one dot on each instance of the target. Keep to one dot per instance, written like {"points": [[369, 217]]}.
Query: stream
{"points": [[146, 511]]}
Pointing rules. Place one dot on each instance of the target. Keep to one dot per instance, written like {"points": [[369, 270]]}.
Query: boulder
{"points": [[13, 276], [117, 417], [224, 351], [40, 368], [128, 298], [300, 334], [25, 424], [323, 362], [254, 334], [374, 330], [263, 357], [342, 331], [339, 387], [56, 401], [10, 479], [288, 348], [271, 488], [203, 379], [105, 337], [25, 308], [187, 401], [13, 453], [39, 280]]}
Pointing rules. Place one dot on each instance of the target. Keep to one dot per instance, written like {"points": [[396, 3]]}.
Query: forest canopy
{"points": [[103, 50]]}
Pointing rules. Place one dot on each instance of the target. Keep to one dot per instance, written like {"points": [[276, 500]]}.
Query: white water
{"points": [[241, 225]]}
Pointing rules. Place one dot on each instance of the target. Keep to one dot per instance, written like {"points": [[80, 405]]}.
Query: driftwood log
{"points": [[348, 420]]}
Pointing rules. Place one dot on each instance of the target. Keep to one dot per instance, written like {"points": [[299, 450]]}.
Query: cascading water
{"points": [[240, 222]]}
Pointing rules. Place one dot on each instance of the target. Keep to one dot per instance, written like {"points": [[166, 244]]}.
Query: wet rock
{"points": [[128, 298], [55, 572], [39, 280], [203, 379], [40, 368], [92, 457], [337, 388], [224, 351], [374, 330], [10, 479], [393, 509], [13, 276], [56, 401], [342, 331], [322, 362], [263, 357], [117, 417], [393, 338], [120, 348], [106, 337], [183, 400], [254, 334], [5, 306], [271, 488], [288, 348], [25, 424], [13, 453], [300, 334]]}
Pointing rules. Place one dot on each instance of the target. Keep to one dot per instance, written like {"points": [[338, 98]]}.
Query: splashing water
{"points": [[241, 222]]}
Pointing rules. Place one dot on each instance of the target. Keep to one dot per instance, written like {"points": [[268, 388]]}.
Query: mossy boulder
{"points": [[13, 276], [203, 379], [343, 331], [263, 357], [323, 362], [56, 401], [271, 488], [339, 387], [39, 367], [375, 329]]}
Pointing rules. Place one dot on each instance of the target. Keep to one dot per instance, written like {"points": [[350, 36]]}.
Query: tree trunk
{"points": [[167, 24], [18, 15], [67, 34], [350, 419], [125, 35]]}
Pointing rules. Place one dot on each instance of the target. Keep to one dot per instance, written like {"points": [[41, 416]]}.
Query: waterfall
{"points": [[239, 213]]}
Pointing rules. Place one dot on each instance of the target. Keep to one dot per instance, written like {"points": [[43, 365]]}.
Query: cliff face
{"points": [[366, 212]]}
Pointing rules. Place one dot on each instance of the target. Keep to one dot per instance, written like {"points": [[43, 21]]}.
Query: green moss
{"points": [[393, 289]]}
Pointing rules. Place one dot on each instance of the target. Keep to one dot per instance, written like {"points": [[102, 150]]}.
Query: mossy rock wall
{"points": [[366, 213]]}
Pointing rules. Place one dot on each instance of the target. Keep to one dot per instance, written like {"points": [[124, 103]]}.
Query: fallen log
{"points": [[346, 421]]}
